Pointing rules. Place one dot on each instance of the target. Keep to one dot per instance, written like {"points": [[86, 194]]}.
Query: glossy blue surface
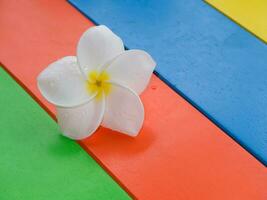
{"points": [[215, 64]]}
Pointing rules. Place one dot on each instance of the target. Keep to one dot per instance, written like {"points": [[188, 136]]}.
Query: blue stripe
{"points": [[217, 66]]}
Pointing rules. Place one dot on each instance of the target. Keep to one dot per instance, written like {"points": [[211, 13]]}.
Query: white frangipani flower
{"points": [[99, 87]]}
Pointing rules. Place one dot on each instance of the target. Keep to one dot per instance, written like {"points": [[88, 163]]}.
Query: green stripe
{"points": [[36, 162]]}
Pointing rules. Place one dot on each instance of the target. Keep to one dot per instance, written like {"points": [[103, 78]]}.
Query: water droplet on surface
{"points": [[153, 87]]}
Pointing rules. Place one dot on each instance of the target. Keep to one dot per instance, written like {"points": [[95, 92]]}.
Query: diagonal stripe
{"points": [[36, 162], [209, 60], [251, 14], [179, 153]]}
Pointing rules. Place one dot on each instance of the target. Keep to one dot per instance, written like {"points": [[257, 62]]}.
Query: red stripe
{"points": [[179, 154]]}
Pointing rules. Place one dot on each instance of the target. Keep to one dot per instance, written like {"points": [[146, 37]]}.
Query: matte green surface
{"points": [[36, 162]]}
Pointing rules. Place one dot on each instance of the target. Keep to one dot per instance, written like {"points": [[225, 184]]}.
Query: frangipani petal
{"points": [[133, 69], [62, 83], [81, 121], [102, 67], [124, 110], [97, 46]]}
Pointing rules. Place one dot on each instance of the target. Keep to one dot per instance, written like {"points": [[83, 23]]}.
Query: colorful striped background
{"points": [[204, 136]]}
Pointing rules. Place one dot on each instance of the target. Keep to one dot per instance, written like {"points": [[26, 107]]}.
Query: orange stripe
{"points": [[179, 154]]}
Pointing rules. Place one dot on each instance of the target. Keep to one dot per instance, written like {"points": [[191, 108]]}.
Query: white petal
{"points": [[124, 111], [97, 46], [62, 83], [132, 68], [81, 121]]}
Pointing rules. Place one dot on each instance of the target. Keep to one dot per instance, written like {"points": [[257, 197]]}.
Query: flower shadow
{"points": [[62, 146], [107, 141]]}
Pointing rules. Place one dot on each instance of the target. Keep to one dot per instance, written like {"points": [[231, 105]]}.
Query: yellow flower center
{"points": [[97, 83]]}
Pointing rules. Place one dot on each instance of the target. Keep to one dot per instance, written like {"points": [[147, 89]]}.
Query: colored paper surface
{"points": [[36, 162], [216, 65], [251, 14], [179, 153]]}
